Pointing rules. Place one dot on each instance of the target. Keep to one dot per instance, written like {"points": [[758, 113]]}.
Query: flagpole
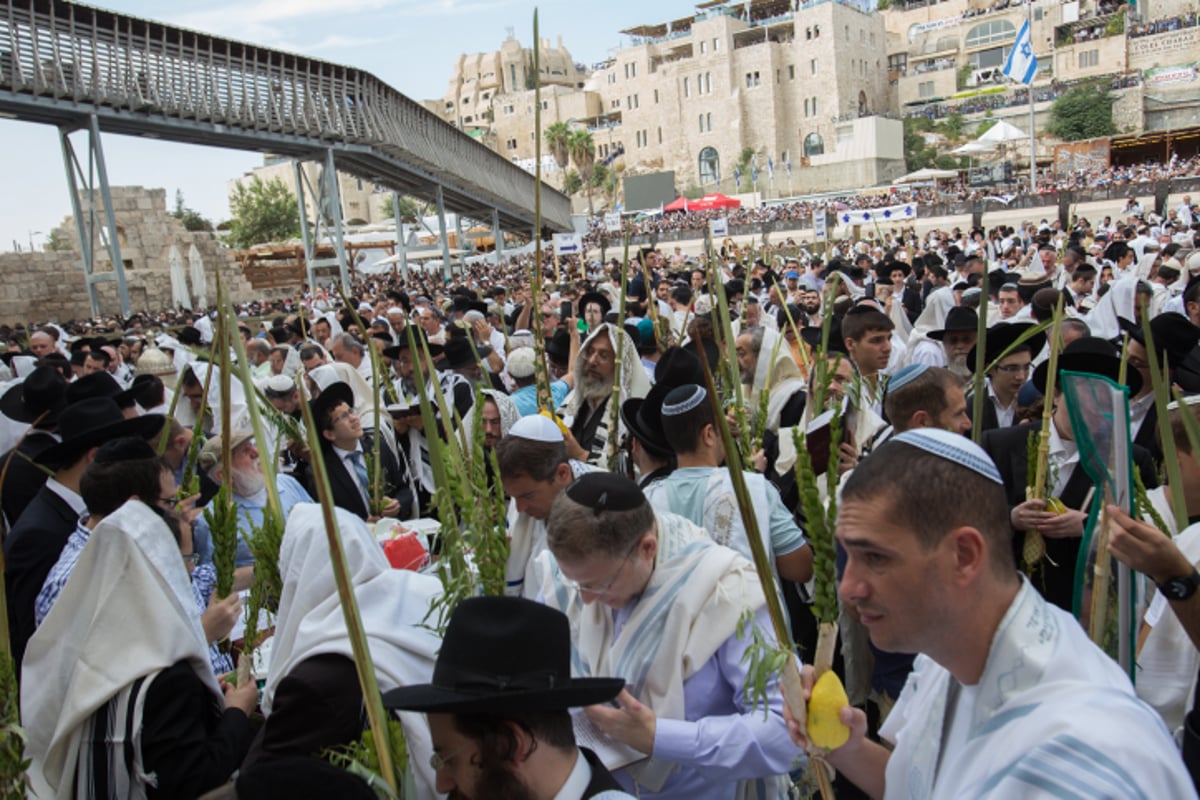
{"points": [[1032, 139]]}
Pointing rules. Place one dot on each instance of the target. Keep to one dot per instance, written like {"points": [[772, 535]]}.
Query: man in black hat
{"points": [[950, 345], [650, 451], [1004, 381], [498, 707], [34, 544], [1054, 574], [36, 400]]}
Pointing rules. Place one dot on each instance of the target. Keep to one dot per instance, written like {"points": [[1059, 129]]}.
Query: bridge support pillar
{"points": [[401, 241], [91, 181], [497, 236], [441, 212], [327, 220]]}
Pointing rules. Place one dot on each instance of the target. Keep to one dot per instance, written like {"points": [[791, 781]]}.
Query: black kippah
{"points": [[606, 491]]}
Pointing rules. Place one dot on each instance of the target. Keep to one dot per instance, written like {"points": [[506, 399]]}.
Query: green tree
{"points": [[583, 153], [262, 212], [558, 139], [192, 220], [945, 161], [572, 183], [952, 126], [1084, 112], [917, 154], [411, 211], [57, 241], [743, 163]]}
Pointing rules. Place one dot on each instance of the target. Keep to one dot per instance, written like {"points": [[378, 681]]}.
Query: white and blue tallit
{"points": [[1052, 716]]}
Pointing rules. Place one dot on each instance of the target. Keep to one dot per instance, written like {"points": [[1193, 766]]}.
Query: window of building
{"points": [[708, 83], [687, 87], [847, 33], [808, 33], [656, 96], [716, 45], [358, 184], [806, 106], [814, 106], [812, 66], [862, 36], [1089, 58], [814, 145], [752, 79], [710, 166], [708, 120], [703, 46], [778, 76], [660, 135], [925, 90], [511, 144], [791, 72], [512, 76], [816, 31], [997, 30], [615, 104], [988, 59]]}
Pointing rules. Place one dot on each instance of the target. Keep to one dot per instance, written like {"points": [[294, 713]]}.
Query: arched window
{"points": [[997, 30], [814, 145], [710, 166]]}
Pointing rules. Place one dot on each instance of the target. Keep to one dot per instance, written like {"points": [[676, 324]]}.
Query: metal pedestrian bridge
{"points": [[81, 68]]}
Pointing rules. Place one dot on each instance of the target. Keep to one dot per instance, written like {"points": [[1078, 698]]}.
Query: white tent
{"points": [[927, 174], [179, 291], [973, 149], [1003, 133]]}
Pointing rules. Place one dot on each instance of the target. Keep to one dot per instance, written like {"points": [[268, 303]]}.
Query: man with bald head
{"points": [[42, 344]]}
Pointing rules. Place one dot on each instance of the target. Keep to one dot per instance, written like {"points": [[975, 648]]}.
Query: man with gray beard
{"points": [[608, 356], [958, 339], [249, 488]]}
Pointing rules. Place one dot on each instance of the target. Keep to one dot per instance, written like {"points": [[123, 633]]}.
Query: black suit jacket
{"points": [[990, 421], [1008, 447], [31, 550], [22, 480], [344, 485], [602, 779]]}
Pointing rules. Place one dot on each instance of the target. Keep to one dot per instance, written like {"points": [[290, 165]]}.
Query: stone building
{"points": [[49, 285]]}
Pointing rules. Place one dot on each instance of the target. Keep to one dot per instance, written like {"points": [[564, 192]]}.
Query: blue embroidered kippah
{"points": [[952, 447], [905, 376], [683, 399]]}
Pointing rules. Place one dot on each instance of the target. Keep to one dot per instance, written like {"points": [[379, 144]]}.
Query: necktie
{"points": [[360, 469]]}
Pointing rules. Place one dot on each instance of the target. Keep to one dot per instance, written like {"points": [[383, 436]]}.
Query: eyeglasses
{"points": [[438, 762], [342, 417], [1015, 369], [606, 587]]}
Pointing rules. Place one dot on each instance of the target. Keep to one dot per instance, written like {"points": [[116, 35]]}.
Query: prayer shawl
{"points": [[1117, 304], [720, 516], [526, 542], [392, 604], [127, 613], [696, 596], [933, 318], [777, 374], [634, 383], [1052, 716], [239, 412]]}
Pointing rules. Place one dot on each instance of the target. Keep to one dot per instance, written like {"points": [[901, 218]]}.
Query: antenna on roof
{"points": [[512, 33]]}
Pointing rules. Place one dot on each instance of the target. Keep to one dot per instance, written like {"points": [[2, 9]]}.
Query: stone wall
{"points": [[50, 286]]}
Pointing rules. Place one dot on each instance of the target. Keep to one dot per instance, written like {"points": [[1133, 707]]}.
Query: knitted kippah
{"points": [[683, 399], [952, 447], [905, 376]]}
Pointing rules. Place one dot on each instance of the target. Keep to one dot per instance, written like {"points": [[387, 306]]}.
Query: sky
{"points": [[410, 44]]}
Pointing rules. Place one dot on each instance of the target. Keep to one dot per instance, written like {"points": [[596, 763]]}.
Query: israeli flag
{"points": [[1022, 63]]}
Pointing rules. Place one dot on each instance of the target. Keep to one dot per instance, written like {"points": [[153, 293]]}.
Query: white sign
{"points": [[819, 223], [568, 244], [878, 216], [720, 227], [612, 221]]}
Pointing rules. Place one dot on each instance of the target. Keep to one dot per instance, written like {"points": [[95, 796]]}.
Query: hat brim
{"points": [[1092, 364], [394, 351], [142, 427], [652, 441], [12, 405], [995, 345], [331, 397], [435, 699]]}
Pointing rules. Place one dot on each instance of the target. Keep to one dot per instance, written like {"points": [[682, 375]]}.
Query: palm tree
{"points": [[583, 153], [558, 137]]}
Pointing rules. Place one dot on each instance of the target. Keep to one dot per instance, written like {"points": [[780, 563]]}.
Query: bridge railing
{"points": [[84, 55]]}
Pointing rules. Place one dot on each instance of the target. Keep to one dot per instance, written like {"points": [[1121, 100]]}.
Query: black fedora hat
{"points": [[837, 343], [457, 354], [643, 416], [91, 422], [44, 392], [594, 297], [1092, 355], [394, 351], [1174, 337], [558, 347], [1000, 337], [958, 318], [330, 398], [504, 655]]}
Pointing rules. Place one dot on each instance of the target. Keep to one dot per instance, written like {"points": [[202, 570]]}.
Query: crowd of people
{"points": [[626, 655]]}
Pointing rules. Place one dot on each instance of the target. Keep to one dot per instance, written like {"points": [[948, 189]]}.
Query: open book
{"points": [[612, 754]]}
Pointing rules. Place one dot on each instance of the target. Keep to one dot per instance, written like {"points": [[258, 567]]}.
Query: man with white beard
{"points": [[956, 337], [586, 409], [249, 488]]}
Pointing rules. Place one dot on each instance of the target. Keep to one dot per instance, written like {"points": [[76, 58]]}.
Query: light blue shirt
{"points": [[250, 513], [525, 398], [721, 741]]}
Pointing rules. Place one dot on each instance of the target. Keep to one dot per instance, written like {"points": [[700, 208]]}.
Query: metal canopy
{"points": [[66, 65]]}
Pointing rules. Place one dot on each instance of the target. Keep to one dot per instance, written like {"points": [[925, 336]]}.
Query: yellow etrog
{"points": [[825, 730]]}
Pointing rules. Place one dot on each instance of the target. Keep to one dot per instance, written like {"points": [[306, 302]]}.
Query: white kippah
{"points": [[395, 310], [324, 376], [280, 384], [952, 447], [905, 376], [1190, 400], [683, 399], [521, 362], [536, 428]]}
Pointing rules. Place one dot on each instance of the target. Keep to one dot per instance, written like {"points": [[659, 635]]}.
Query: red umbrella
{"points": [[680, 204], [706, 203]]}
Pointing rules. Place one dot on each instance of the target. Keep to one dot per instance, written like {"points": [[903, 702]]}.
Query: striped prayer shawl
{"points": [[110, 748]]}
